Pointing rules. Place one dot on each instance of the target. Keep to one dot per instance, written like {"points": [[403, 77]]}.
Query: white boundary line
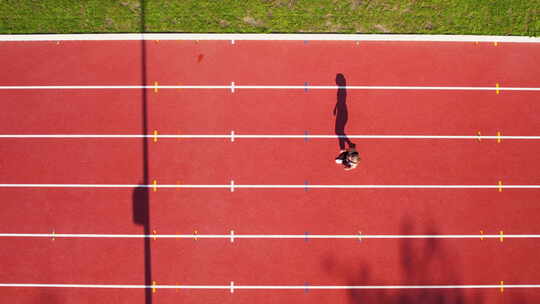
{"points": [[232, 236], [274, 287], [301, 186], [234, 87], [234, 136], [271, 37]]}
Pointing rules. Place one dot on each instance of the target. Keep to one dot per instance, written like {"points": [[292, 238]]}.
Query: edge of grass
{"points": [[458, 17]]}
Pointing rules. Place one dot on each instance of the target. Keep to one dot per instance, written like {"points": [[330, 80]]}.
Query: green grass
{"points": [[486, 17]]}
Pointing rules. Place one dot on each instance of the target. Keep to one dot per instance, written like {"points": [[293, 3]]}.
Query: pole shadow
{"points": [[141, 195]]}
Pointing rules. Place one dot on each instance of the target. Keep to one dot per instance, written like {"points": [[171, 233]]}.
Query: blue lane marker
{"points": [[306, 186], [306, 134], [306, 287], [306, 86], [306, 41], [306, 236]]}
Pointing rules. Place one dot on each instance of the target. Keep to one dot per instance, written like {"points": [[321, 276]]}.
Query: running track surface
{"points": [[269, 161]]}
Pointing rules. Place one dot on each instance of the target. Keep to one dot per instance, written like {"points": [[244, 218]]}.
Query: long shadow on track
{"points": [[141, 196]]}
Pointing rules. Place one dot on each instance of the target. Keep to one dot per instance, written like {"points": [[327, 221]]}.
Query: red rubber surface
{"points": [[270, 161]]}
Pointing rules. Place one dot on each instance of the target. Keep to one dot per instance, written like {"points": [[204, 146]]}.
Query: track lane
{"points": [[383, 163], [71, 62], [46, 161], [69, 112], [296, 62], [257, 62]]}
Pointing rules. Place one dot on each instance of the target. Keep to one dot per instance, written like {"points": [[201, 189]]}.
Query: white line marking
{"points": [[234, 87], [78, 186], [270, 37], [302, 186], [231, 236], [272, 287], [232, 287], [232, 185], [232, 136]]}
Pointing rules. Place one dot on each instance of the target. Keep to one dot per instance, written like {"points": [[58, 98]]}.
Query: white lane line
{"points": [[270, 37], [233, 87], [233, 136], [301, 186], [232, 287], [232, 236], [78, 186], [79, 136]]}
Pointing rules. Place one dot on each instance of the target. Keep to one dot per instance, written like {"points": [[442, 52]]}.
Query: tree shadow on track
{"points": [[341, 112], [141, 195], [419, 262]]}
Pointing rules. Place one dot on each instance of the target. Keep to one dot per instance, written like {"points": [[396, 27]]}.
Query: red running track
{"points": [[269, 161]]}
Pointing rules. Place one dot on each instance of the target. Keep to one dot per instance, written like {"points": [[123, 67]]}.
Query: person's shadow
{"points": [[341, 113]]}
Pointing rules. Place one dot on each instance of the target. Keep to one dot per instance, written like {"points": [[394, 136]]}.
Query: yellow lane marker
{"points": [[179, 88], [500, 186], [53, 234], [497, 90], [501, 238], [178, 183], [154, 185], [195, 232], [499, 137], [479, 136], [482, 233], [155, 135], [502, 286], [495, 43], [154, 232], [156, 87], [359, 235], [177, 284], [154, 289]]}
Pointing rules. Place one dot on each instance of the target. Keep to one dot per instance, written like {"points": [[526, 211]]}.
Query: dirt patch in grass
{"points": [[252, 21], [381, 28], [133, 5]]}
